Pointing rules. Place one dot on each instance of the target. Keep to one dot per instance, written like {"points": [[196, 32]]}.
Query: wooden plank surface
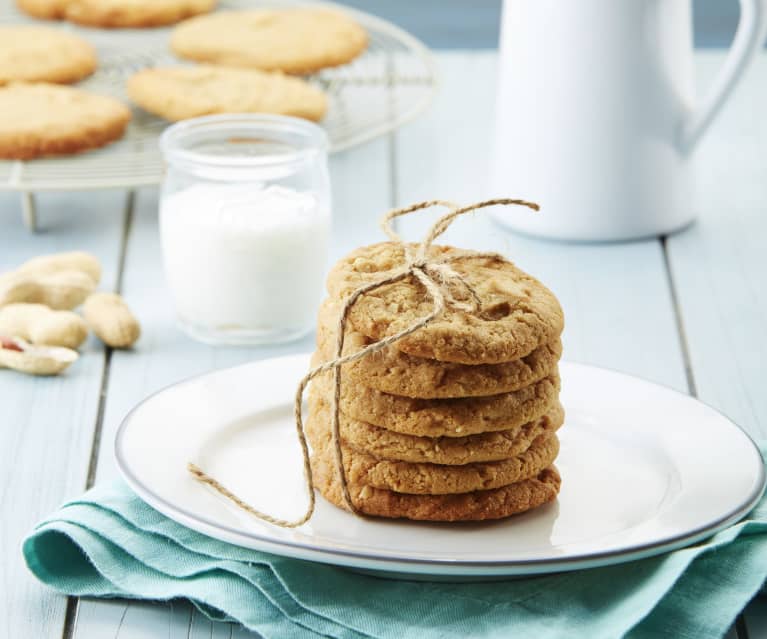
{"points": [[47, 423], [719, 265], [116, 619]]}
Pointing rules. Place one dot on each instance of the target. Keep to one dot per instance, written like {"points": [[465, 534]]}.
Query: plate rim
{"points": [[360, 559]]}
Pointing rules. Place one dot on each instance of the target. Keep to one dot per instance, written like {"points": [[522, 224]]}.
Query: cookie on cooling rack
{"points": [[116, 13], [41, 54], [301, 40], [49, 119], [178, 93]]}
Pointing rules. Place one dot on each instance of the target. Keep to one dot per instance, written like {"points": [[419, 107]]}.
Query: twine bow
{"points": [[438, 279]]}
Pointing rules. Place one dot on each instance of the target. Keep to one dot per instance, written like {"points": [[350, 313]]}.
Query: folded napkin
{"points": [[109, 543]]}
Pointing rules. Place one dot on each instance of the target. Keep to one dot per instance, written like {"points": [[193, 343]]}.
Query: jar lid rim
{"points": [[314, 137]]}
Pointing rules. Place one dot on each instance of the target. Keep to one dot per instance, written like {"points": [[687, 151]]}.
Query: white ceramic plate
{"points": [[645, 470]]}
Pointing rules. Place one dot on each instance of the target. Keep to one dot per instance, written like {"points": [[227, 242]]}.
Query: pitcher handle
{"points": [[748, 40]]}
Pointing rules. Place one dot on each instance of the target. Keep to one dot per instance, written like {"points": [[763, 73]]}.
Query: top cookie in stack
{"points": [[456, 421]]}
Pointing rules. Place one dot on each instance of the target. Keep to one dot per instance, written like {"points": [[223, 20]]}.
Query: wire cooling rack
{"points": [[391, 83]]}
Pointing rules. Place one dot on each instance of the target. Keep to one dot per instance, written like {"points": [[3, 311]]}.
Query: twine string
{"points": [[437, 277]]}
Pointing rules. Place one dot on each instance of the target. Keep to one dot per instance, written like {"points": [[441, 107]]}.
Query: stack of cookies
{"points": [[456, 421]]}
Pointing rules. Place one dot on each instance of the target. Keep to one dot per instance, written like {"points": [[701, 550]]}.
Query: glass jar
{"points": [[245, 225]]}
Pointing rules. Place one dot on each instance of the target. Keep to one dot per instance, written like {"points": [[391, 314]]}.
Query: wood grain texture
{"points": [[719, 265], [123, 619], [47, 423], [362, 181]]}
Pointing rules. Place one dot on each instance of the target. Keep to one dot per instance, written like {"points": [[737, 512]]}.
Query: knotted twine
{"points": [[437, 278]]}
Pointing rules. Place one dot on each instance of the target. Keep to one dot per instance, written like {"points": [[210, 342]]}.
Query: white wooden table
{"points": [[688, 311]]}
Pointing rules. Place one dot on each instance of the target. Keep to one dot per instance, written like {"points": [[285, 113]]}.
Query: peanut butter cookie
{"points": [[116, 13], [519, 313], [451, 451], [40, 54], [178, 93], [433, 479], [50, 119], [391, 371], [297, 40], [478, 505], [457, 417]]}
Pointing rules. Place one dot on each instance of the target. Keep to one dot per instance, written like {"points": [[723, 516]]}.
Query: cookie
{"points": [[432, 479], [117, 13], [298, 40], [178, 93], [49, 119], [457, 417], [45, 9], [478, 505], [452, 451], [519, 313], [391, 371], [40, 54]]}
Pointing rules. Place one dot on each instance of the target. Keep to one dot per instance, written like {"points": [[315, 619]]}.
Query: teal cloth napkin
{"points": [[108, 543]]}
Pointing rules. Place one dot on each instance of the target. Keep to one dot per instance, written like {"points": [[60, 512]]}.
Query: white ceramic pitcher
{"points": [[596, 119]]}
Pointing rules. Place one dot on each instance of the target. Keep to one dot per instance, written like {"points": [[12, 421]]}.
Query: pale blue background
{"points": [[474, 23]]}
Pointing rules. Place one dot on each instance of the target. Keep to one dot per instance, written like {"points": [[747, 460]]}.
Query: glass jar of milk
{"points": [[244, 223]]}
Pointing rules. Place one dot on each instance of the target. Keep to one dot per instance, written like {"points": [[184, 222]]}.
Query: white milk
{"points": [[244, 259]]}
